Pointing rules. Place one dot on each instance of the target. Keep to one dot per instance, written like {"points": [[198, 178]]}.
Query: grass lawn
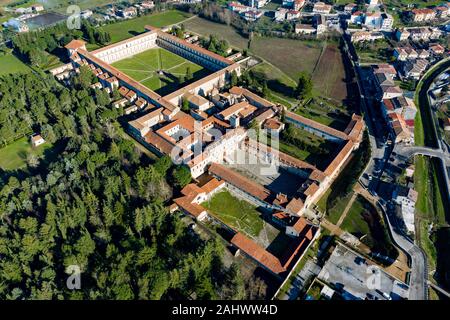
{"points": [[290, 56], [376, 52], [14, 156], [281, 87], [364, 222], [9, 63], [205, 28], [324, 112], [336, 211], [354, 221], [237, 213], [144, 68], [426, 244], [126, 29]]}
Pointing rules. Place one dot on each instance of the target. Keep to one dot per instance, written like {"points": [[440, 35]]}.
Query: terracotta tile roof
{"points": [[212, 185], [141, 122], [212, 121], [273, 124], [281, 199], [130, 95], [159, 143], [196, 99], [317, 175], [75, 44], [234, 109], [252, 97], [111, 79], [123, 91], [190, 45], [191, 189], [192, 208], [141, 102], [239, 181], [258, 253], [295, 205], [312, 189], [389, 104], [337, 161], [316, 125], [355, 127], [104, 76], [300, 224]]}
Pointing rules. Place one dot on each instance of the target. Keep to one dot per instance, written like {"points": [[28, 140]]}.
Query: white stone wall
{"points": [[127, 49]]}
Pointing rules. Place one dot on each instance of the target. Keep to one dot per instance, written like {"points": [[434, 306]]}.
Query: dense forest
{"points": [[34, 47], [97, 203]]}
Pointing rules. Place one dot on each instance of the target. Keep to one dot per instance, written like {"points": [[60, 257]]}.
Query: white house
{"points": [[37, 140]]}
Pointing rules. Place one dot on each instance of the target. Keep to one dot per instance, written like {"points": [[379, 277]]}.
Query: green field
{"points": [[365, 223], [237, 213], [129, 28], [11, 64], [14, 156], [336, 211], [145, 67], [290, 56]]}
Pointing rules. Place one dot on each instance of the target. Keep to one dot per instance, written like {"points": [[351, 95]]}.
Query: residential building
{"points": [[304, 29], [387, 21], [350, 8], [280, 14], [441, 12], [292, 15], [238, 7], [402, 34], [257, 3], [321, 7], [414, 69], [252, 15], [37, 140], [128, 13], [319, 21], [436, 48], [405, 53], [422, 15], [406, 199], [357, 17]]}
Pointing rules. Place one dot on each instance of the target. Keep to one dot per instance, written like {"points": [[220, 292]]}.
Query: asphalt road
{"points": [[380, 154]]}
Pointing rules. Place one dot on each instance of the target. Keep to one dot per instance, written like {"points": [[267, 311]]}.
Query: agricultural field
{"points": [[284, 60], [160, 70], [126, 29], [205, 28], [11, 64], [14, 156], [237, 213], [290, 56], [329, 75]]}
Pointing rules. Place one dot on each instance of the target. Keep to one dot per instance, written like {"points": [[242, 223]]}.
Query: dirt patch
{"points": [[329, 76]]}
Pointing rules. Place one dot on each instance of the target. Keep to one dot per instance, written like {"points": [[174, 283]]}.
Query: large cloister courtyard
{"points": [[161, 70]]}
